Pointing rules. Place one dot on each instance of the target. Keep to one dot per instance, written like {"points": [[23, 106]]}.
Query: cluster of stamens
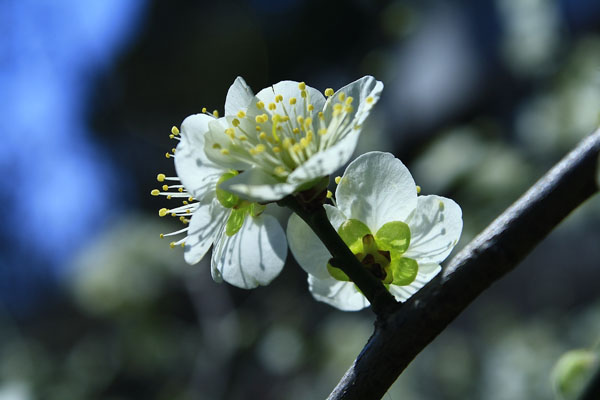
{"points": [[173, 189], [280, 136]]}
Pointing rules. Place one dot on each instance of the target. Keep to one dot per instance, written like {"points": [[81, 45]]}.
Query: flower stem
{"points": [[316, 218]]}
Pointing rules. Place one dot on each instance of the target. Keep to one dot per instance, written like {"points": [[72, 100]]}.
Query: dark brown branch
{"points": [[401, 335]]}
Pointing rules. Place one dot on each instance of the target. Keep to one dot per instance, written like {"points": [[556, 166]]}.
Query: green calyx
{"points": [[239, 208], [381, 253]]}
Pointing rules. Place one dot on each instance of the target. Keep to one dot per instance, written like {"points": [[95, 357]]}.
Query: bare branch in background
{"points": [[402, 334]]}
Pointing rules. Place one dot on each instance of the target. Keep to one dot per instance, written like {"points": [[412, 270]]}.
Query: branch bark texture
{"points": [[400, 335]]}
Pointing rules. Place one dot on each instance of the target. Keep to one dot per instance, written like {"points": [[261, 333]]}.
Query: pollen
{"points": [[349, 100], [302, 86], [155, 192], [278, 98], [168, 155], [342, 96], [160, 177], [235, 122], [292, 100], [272, 106], [241, 114], [172, 245], [303, 94], [163, 212], [162, 236], [216, 113], [310, 107], [175, 130], [370, 99], [230, 132], [329, 194], [260, 105], [337, 180], [204, 110], [165, 187], [418, 189], [329, 92]]}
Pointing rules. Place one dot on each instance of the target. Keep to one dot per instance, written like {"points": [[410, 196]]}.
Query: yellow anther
{"points": [[204, 110], [171, 136], [272, 106], [303, 94], [280, 170], [337, 107], [172, 245], [241, 114], [190, 199], [337, 180], [276, 118], [321, 115], [292, 101], [308, 122], [260, 148], [216, 113], [180, 190], [235, 122], [297, 148], [258, 120], [167, 155], [230, 132], [296, 131], [185, 203], [329, 194], [442, 206], [310, 107], [370, 99], [304, 142], [225, 152], [349, 100], [309, 136], [216, 146], [329, 92], [258, 128], [165, 187], [276, 149], [182, 244], [348, 109], [342, 96], [160, 177], [162, 212], [182, 219], [262, 135], [173, 150], [174, 130], [162, 235], [260, 105], [188, 211], [278, 98], [418, 189], [155, 192], [169, 197], [322, 131], [302, 86], [300, 119], [287, 142], [243, 138]]}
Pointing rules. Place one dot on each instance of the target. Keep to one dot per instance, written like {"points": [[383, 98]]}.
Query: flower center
{"points": [[381, 254], [280, 136], [239, 208]]}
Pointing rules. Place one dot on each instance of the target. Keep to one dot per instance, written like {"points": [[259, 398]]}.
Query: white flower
{"points": [[288, 136], [249, 246], [399, 236]]}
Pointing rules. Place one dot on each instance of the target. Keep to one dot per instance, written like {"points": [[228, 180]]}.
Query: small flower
{"points": [[288, 136], [400, 237], [249, 246]]}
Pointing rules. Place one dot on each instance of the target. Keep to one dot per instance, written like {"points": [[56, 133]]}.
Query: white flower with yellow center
{"points": [[288, 136], [400, 237], [249, 246]]}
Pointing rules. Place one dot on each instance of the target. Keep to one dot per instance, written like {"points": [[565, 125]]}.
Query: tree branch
{"points": [[402, 334]]}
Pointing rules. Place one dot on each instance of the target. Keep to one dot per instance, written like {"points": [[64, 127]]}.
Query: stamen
{"points": [[418, 189], [329, 92], [337, 180]]}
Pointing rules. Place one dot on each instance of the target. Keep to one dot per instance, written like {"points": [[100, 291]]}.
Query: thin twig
{"points": [[402, 334]]}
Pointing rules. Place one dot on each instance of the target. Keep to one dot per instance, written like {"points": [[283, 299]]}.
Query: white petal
{"points": [[342, 295], [376, 188], [335, 216], [207, 221], [216, 140], [198, 174], [359, 90], [289, 89], [256, 185], [310, 253], [435, 227], [239, 97], [326, 162], [253, 256], [426, 273]]}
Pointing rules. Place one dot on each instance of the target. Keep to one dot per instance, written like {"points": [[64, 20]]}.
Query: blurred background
{"points": [[480, 99]]}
